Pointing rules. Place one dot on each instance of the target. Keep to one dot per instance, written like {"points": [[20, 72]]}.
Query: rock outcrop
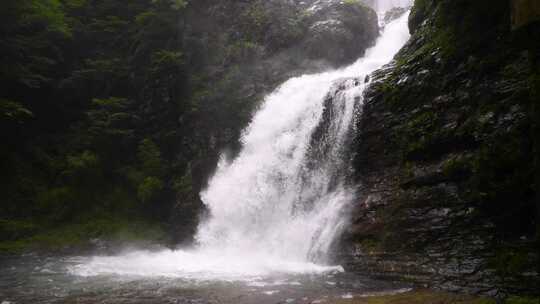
{"points": [[446, 158], [339, 31]]}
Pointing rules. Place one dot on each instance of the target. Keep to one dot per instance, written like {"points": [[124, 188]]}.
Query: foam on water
{"points": [[278, 206]]}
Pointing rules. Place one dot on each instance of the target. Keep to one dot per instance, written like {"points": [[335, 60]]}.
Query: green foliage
{"points": [[82, 163], [111, 103], [107, 131], [184, 185], [106, 103], [14, 112], [457, 167], [257, 18], [173, 4], [178, 4], [78, 234], [150, 158], [243, 50], [521, 300], [166, 62], [28, 31], [49, 12], [83, 170], [56, 203], [149, 188], [132, 175], [351, 2], [14, 229]]}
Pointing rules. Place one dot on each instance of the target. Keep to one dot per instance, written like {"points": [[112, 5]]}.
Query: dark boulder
{"points": [[339, 31]]}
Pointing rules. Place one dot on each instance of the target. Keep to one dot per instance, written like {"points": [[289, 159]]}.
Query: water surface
{"points": [[40, 279]]}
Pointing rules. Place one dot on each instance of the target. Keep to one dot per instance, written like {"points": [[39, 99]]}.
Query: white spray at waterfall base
{"points": [[278, 206]]}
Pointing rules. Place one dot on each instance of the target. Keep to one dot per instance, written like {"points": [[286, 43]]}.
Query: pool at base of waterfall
{"points": [[33, 278]]}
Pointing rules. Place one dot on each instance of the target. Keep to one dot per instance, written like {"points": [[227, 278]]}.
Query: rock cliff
{"points": [[447, 154]]}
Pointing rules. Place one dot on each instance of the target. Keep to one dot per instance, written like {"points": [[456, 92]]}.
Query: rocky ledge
{"points": [[447, 155]]}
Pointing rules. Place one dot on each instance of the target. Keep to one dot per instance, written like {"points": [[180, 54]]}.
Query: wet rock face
{"points": [[339, 31], [322, 34], [444, 156], [394, 14]]}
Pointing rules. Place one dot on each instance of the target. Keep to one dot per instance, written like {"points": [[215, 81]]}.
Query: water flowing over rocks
{"points": [[293, 38]]}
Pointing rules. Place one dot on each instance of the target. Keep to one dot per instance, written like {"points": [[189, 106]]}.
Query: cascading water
{"points": [[278, 206]]}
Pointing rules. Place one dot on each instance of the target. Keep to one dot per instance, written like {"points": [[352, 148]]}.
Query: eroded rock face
{"points": [[445, 154], [394, 14], [339, 31]]}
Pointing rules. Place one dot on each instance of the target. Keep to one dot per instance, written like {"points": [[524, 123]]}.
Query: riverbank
{"points": [[432, 297], [100, 234]]}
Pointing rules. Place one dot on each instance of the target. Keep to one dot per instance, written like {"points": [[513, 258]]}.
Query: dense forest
{"points": [[114, 114], [106, 106]]}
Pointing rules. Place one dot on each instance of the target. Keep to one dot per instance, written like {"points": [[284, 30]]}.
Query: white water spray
{"points": [[279, 204]]}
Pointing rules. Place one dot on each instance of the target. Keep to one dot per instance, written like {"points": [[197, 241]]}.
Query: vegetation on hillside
{"points": [[106, 106], [115, 111]]}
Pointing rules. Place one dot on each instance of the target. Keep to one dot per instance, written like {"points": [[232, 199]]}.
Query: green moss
{"points": [[370, 245], [419, 137], [446, 41], [416, 148], [352, 2], [510, 262], [149, 188], [418, 14], [391, 92], [408, 170], [255, 21], [149, 155], [423, 121], [457, 167]]}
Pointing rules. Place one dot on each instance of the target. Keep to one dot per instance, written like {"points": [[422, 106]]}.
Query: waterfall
{"points": [[279, 205]]}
